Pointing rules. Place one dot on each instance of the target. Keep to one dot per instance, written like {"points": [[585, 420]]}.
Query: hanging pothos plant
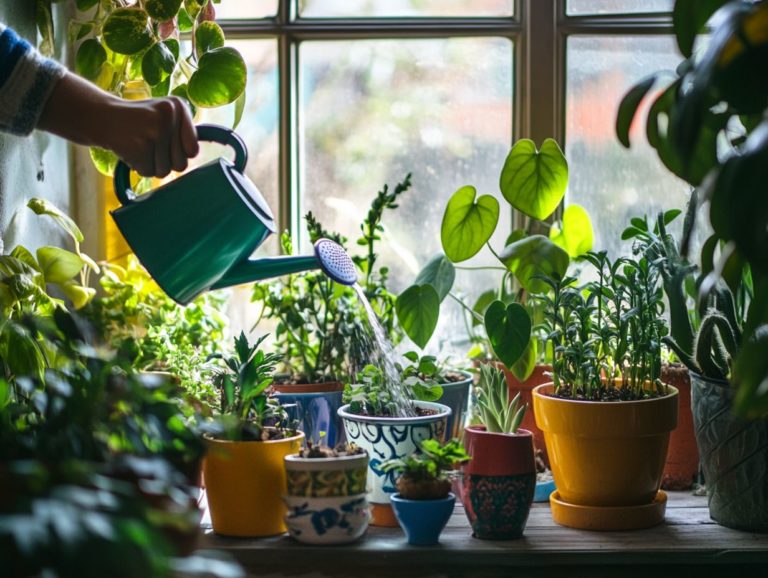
{"points": [[132, 48]]}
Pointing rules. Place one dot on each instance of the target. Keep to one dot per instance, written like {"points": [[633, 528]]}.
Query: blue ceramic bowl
{"points": [[543, 491], [423, 520]]}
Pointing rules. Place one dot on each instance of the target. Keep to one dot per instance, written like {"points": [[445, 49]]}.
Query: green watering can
{"points": [[198, 231]]}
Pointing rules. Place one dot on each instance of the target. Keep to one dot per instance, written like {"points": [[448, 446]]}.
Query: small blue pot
{"points": [[543, 491], [316, 412], [423, 520]]}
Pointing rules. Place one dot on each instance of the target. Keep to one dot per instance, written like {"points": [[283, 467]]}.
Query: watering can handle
{"points": [[205, 132]]}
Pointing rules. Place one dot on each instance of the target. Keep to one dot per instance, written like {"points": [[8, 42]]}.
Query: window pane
{"points": [[579, 7], [611, 182], [414, 8], [246, 8], [259, 124], [372, 111]]}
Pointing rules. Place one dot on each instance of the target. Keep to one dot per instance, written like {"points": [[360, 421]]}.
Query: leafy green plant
{"points": [[247, 412], [133, 50], [708, 125], [372, 395], [533, 182], [494, 409], [424, 475], [135, 317], [607, 330], [321, 326]]}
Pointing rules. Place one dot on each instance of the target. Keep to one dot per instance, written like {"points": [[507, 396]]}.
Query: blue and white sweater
{"points": [[26, 81]]}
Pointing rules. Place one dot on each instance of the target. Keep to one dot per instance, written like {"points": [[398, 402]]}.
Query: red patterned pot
{"points": [[498, 483]]}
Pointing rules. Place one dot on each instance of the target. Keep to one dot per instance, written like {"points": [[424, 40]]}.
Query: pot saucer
{"points": [[608, 518]]}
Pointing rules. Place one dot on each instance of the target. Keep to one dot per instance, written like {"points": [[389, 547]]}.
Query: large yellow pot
{"points": [[606, 453], [245, 483]]}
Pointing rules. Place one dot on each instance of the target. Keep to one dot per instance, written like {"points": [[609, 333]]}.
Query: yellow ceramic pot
{"points": [[245, 483], [606, 453]]}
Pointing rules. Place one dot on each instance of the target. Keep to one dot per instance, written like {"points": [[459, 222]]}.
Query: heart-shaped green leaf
{"points": [[158, 62], [162, 9], [523, 367], [219, 79], [58, 265], [208, 36], [509, 330], [127, 31], [440, 273], [90, 58], [576, 236], [532, 181], [482, 304], [534, 255], [467, 225], [418, 309]]}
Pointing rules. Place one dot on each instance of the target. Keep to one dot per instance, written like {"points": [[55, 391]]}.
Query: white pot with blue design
{"points": [[328, 520], [386, 438]]}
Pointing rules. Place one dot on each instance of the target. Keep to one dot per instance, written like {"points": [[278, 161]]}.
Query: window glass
{"points": [[611, 182], [585, 7], [372, 111], [414, 8], [246, 8], [259, 124]]}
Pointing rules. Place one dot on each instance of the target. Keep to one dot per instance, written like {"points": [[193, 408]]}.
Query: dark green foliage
{"points": [[371, 394], [433, 460]]}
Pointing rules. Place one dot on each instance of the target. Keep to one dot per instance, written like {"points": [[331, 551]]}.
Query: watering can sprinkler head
{"points": [[335, 262]]}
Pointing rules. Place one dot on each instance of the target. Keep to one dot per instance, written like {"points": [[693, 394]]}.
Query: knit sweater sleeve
{"points": [[26, 81]]}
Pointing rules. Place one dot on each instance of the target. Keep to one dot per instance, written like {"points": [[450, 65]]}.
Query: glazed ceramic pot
{"points": [[498, 483], [607, 458], [327, 520], [244, 484], [326, 477], [315, 408], [386, 438], [734, 456], [423, 520], [456, 396]]}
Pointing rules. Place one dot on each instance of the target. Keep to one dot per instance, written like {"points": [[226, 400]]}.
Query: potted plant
{"points": [[322, 329], [327, 495], [424, 502], [244, 473], [498, 483], [388, 419], [607, 416]]}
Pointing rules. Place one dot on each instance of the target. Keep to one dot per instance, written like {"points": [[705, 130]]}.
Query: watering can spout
{"points": [[328, 256]]}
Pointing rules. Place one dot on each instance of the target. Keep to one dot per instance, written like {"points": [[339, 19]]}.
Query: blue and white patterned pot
{"points": [[387, 438], [327, 520]]}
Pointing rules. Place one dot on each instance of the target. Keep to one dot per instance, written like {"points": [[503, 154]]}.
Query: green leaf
{"points": [[162, 10], [523, 367], [482, 303], [21, 353], [43, 207], [208, 36], [185, 21], [671, 215], [509, 330], [79, 296], [689, 18], [158, 62], [58, 265], [193, 8], [44, 20], [173, 45], [438, 272], [22, 254], [532, 256], [127, 31], [750, 376], [418, 309], [532, 181], [628, 108], [219, 79], [239, 109], [162, 88], [90, 58], [181, 92], [576, 237], [105, 161], [84, 5], [467, 225]]}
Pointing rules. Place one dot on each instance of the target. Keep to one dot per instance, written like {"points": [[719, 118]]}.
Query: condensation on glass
{"points": [[259, 124], [245, 8], [615, 184], [404, 8], [373, 111], [590, 7]]}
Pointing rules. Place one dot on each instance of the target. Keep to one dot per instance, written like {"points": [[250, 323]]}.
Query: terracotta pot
{"points": [[245, 483], [498, 483], [315, 407], [682, 465], [606, 454]]}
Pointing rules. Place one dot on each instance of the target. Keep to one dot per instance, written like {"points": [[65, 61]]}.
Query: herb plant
{"points": [[247, 412], [424, 475], [372, 396], [494, 410]]}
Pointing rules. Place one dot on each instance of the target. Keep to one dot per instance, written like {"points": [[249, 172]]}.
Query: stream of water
{"points": [[378, 351]]}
